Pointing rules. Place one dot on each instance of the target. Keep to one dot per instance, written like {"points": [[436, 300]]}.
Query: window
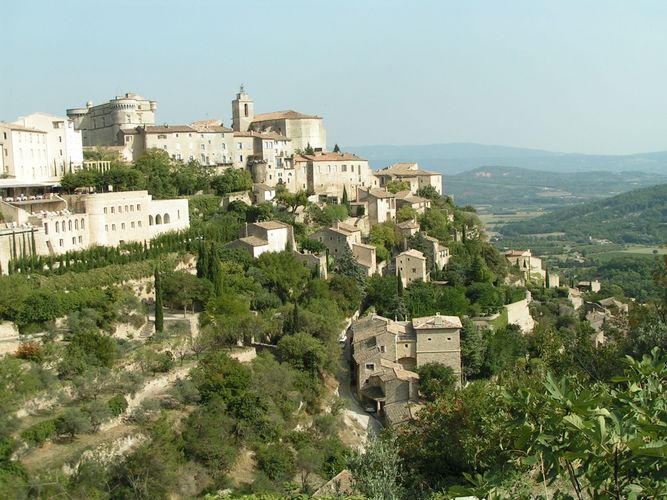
{"points": [[132, 225], [239, 145], [120, 209], [122, 226], [162, 136], [106, 227], [46, 228], [126, 208], [76, 224], [113, 228], [449, 338], [69, 225], [83, 223], [383, 348], [73, 240], [150, 220], [61, 242], [139, 223], [429, 339], [112, 210], [178, 214], [370, 366], [406, 346], [131, 208], [343, 168], [105, 210], [80, 239], [138, 207], [202, 147]]}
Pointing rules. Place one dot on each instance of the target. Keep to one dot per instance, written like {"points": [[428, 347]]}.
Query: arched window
{"points": [[158, 219], [69, 225], [76, 224], [83, 223], [57, 227], [245, 109], [150, 220], [167, 219]]}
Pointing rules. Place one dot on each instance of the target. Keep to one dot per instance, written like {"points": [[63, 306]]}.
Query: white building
{"points": [[60, 224], [24, 155], [63, 142], [261, 237]]}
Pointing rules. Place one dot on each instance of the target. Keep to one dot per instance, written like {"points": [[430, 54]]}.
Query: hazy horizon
{"points": [[562, 77]]}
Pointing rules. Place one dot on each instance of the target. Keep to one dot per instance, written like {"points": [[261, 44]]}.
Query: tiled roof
{"points": [[281, 115], [437, 321], [167, 129], [405, 170], [409, 197], [326, 156], [254, 241], [271, 224], [380, 193], [412, 253], [396, 413]]}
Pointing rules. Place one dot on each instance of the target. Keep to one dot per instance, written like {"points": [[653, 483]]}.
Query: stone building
{"points": [[407, 199], [340, 237], [527, 264], [411, 266], [58, 224], [380, 202], [385, 354], [208, 143], [100, 125], [329, 174], [412, 174], [441, 254]]}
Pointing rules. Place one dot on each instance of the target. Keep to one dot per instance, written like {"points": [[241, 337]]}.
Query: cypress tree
{"points": [[336, 149], [159, 313]]}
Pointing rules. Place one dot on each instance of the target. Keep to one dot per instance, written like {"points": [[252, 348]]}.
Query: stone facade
{"points": [[100, 125], [412, 174], [381, 204], [340, 236], [385, 354], [411, 266]]}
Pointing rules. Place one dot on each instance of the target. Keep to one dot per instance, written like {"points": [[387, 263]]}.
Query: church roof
{"points": [[283, 115], [325, 156]]}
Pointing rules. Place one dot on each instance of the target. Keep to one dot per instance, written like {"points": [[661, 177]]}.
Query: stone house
{"points": [[381, 204], [411, 266], [441, 254], [412, 174], [407, 199], [341, 236], [385, 354]]}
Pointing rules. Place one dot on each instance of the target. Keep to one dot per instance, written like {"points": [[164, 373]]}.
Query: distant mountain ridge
{"points": [[638, 216], [457, 157]]}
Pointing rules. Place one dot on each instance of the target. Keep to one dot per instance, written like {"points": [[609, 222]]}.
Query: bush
{"points": [[276, 461], [38, 433], [31, 351], [117, 404]]}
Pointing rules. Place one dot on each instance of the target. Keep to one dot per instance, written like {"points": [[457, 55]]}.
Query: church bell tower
{"points": [[243, 111]]}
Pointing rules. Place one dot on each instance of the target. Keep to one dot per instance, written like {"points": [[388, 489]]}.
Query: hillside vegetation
{"points": [[638, 216], [513, 188]]}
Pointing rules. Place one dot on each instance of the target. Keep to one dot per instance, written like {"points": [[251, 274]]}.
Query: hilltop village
{"points": [[251, 307]]}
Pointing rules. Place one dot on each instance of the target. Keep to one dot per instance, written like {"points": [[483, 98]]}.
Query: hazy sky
{"points": [[573, 76]]}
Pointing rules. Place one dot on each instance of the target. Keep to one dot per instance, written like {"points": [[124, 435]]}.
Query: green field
{"points": [[637, 251]]}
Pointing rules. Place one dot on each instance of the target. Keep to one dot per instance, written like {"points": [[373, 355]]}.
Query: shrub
{"points": [[31, 351], [117, 404], [276, 461], [38, 433]]}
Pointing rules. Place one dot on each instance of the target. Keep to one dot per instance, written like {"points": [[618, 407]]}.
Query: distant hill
{"points": [[520, 188], [458, 157], [638, 216]]}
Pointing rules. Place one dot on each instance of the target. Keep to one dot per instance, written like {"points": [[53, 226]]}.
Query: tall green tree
{"points": [[159, 312]]}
